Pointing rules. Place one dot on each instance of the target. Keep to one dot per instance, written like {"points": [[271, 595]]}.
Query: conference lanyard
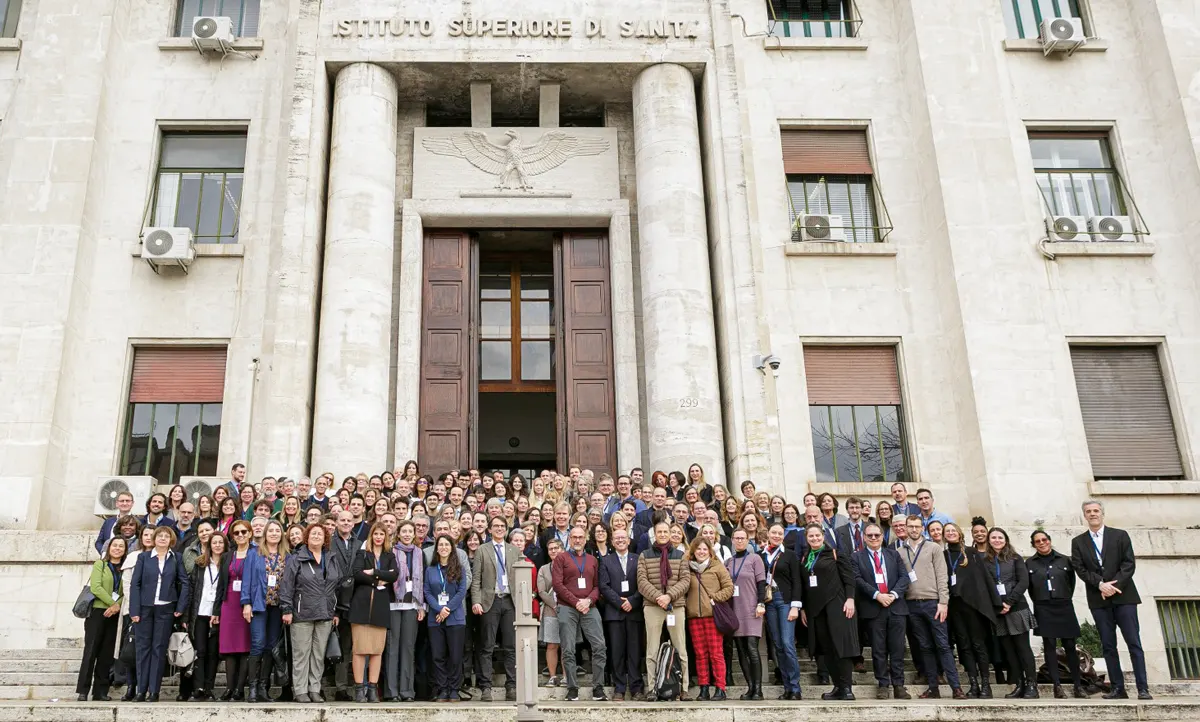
{"points": [[912, 560], [737, 568], [997, 570], [954, 561], [877, 557], [441, 577], [580, 562], [1099, 555], [811, 561]]}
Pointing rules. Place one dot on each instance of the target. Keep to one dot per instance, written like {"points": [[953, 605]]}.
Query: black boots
{"points": [[1018, 690], [372, 692], [704, 694], [973, 690], [266, 664], [360, 693], [252, 675], [985, 690]]}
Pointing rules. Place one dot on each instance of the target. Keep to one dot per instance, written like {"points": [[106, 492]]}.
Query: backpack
{"points": [[668, 677], [180, 653]]}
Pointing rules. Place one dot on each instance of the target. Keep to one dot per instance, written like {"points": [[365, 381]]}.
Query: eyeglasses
{"points": [[874, 536], [241, 532]]}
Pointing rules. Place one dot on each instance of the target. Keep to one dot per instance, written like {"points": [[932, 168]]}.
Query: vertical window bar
{"points": [[196, 440], [173, 438], [832, 443], [882, 455], [128, 450], [1016, 5], [149, 464], [1037, 13], [857, 441], [1057, 9]]}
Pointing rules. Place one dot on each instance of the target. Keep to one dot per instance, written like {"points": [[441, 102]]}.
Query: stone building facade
{"points": [[635, 173]]}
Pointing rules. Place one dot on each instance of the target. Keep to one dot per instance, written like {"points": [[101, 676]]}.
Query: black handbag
{"points": [[83, 603], [281, 671]]}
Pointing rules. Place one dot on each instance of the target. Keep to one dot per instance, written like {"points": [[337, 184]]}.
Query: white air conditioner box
{"points": [[816, 227], [1061, 35], [1111, 229], [168, 246], [1068, 228], [212, 33], [198, 486], [108, 487]]}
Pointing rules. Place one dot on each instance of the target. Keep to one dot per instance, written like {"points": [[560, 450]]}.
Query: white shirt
{"points": [[501, 574], [1098, 540], [162, 562], [208, 595], [882, 568]]}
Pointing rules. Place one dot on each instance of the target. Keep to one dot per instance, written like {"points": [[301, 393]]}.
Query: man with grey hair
{"points": [[1103, 558]]}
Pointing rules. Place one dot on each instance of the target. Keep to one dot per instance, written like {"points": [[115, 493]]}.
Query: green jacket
{"points": [[102, 585]]}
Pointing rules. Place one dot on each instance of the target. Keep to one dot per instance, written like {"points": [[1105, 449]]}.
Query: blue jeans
{"points": [[933, 639], [1124, 616], [265, 629], [783, 638]]}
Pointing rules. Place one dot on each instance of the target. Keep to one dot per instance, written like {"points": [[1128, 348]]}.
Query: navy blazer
{"points": [[845, 537], [175, 585], [610, 586], [865, 587]]}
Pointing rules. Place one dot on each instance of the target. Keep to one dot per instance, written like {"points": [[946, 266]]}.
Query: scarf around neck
{"points": [[699, 567], [664, 562], [417, 573]]}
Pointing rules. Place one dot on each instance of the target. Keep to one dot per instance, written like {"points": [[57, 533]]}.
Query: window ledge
{"points": [[842, 489], [1033, 45], [204, 250], [775, 42], [1100, 248], [10, 44], [243, 44], [838, 248], [1141, 488]]}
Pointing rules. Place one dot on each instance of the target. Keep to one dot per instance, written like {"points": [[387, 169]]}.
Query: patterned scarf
{"points": [[417, 573]]}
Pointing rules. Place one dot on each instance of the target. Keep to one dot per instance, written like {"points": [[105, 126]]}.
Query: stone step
{"points": [[43, 653]]}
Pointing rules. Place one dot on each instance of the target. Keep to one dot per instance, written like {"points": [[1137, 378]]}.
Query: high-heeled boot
{"points": [[252, 675]]}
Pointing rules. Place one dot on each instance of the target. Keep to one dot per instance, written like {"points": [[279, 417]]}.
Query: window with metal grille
{"points": [[812, 18], [848, 196], [10, 13], [1076, 174], [200, 184], [243, 13], [173, 423], [1126, 413], [855, 413], [829, 172], [1023, 18], [1180, 620]]}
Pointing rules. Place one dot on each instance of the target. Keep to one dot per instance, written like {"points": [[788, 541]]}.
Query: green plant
{"points": [[1089, 639]]}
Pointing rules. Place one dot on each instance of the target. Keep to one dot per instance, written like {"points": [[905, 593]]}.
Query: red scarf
{"points": [[664, 563]]}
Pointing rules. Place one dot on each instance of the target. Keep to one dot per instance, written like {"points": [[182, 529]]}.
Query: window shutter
{"points": [[825, 151], [178, 374], [852, 375], [1126, 414]]}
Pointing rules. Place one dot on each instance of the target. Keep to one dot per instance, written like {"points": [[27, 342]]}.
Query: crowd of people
{"points": [[400, 586]]}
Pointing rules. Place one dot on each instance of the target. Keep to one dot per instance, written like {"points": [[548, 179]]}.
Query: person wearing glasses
{"points": [[313, 601], [234, 626], [974, 604], [1051, 587], [159, 593], [880, 583]]}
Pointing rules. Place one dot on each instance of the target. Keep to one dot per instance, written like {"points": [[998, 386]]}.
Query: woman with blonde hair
{"points": [[260, 591], [710, 583], [374, 572]]}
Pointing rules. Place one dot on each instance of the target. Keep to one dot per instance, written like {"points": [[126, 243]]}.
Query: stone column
{"points": [[351, 411], [683, 401]]}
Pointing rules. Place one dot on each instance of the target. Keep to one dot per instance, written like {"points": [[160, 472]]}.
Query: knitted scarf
{"points": [[664, 563], [417, 573]]}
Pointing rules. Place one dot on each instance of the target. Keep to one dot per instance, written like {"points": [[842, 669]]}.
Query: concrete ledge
{"points": [[774, 42], [838, 248], [1143, 488], [1033, 45], [48, 547], [243, 44], [204, 250], [10, 45], [1086, 248]]}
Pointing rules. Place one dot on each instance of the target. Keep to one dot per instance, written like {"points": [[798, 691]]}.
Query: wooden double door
{"points": [[581, 366]]}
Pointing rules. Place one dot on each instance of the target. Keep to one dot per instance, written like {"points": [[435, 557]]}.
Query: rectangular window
{"points": [[829, 172], [10, 13], [1126, 413], [516, 330], [1076, 174], [854, 407], [200, 184], [243, 13], [812, 18], [174, 420], [1023, 18], [1181, 636]]}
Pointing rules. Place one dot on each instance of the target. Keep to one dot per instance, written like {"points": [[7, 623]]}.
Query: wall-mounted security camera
{"points": [[770, 360]]}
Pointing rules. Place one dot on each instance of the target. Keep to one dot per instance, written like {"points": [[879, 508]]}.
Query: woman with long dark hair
{"points": [[100, 627], [228, 512], [204, 616], [1012, 626], [176, 496], [445, 591]]}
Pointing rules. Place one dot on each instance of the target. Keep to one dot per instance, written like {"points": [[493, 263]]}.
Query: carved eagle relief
{"points": [[511, 161]]}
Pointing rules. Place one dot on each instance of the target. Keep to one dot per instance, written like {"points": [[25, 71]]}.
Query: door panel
{"points": [[447, 355], [586, 380]]}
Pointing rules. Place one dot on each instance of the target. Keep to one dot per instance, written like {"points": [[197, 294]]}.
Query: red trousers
{"points": [[710, 647]]}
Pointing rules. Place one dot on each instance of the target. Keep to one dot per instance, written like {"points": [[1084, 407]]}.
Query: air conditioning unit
{"points": [[1111, 229], [212, 33], [814, 227], [108, 487], [1061, 35], [168, 246], [198, 486], [1068, 228]]}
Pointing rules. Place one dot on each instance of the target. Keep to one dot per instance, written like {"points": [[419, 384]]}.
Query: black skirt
{"points": [[1056, 618]]}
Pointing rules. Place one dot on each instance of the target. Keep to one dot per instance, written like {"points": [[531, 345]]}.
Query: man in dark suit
{"points": [[849, 537], [623, 616], [493, 579], [880, 581], [1103, 558]]}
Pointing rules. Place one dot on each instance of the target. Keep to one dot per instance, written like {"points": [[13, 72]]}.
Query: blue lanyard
{"points": [[1099, 555], [737, 568], [912, 561], [954, 561], [441, 576], [580, 562], [997, 570], [500, 560], [377, 561]]}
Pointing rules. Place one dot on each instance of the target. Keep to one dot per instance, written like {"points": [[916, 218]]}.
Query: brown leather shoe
{"points": [[882, 693], [931, 693], [900, 692], [959, 694], [618, 697]]}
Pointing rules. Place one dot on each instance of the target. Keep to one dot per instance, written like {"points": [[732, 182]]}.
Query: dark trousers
{"points": [[969, 630], [841, 669], [473, 645], [887, 647], [1049, 650], [207, 643], [99, 643], [500, 620], [747, 651], [1125, 617], [447, 646], [152, 635], [933, 639], [1020, 658], [625, 642]]}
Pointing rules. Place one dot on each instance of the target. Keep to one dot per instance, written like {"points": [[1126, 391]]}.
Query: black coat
{"points": [[973, 583], [1055, 568], [786, 576], [370, 604], [197, 582], [823, 603], [1015, 578], [611, 576], [865, 586], [1119, 566]]}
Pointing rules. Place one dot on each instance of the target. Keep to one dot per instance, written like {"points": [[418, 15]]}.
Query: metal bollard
{"points": [[527, 646]]}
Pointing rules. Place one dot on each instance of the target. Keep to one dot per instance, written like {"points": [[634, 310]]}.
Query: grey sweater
{"points": [[930, 564]]}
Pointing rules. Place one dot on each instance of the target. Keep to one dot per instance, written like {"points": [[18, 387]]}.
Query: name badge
{"points": [[1000, 589], [771, 580], [624, 586], [812, 580], [237, 585], [443, 599], [271, 581], [408, 586], [878, 578], [117, 596], [1049, 584], [670, 620], [953, 580], [912, 576], [581, 583], [736, 592]]}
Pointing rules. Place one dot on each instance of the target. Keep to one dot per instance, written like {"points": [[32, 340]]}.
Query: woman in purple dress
{"points": [[235, 618], [749, 576]]}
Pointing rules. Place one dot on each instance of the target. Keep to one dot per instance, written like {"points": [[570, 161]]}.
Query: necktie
{"points": [[857, 538], [883, 588]]}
